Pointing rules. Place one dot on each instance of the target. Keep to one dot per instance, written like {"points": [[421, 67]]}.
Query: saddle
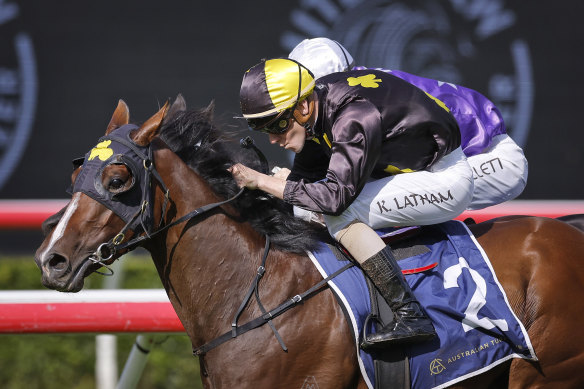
{"points": [[455, 283]]}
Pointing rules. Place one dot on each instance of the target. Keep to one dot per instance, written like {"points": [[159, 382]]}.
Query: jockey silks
{"points": [[478, 117], [380, 125]]}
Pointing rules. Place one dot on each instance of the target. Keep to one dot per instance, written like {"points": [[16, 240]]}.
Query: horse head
{"points": [[108, 203]]}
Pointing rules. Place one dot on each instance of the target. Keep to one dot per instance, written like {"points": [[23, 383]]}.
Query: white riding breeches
{"points": [[424, 197], [499, 172]]}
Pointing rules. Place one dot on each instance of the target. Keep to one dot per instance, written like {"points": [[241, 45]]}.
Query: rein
{"points": [[115, 244], [268, 316], [106, 251]]}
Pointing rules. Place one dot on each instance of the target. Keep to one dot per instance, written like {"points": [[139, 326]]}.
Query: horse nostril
{"points": [[57, 262]]}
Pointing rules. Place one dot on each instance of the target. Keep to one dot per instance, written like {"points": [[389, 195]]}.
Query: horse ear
{"points": [[120, 117], [179, 105], [144, 135], [209, 111]]}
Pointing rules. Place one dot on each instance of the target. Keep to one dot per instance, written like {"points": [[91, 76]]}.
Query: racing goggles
{"points": [[278, 124]]}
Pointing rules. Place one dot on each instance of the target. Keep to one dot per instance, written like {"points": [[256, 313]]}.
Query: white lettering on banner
{"points": [[8, 110], [8, 81], [8, 12], [403, 31], [18, 90], [491, 15], [478, 300]]}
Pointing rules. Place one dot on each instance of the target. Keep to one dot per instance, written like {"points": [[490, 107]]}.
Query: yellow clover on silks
{"points": [[102, 151], [366, 81]]}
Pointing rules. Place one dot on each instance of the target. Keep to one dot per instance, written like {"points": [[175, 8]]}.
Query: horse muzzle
{"points": [[57, 272]]}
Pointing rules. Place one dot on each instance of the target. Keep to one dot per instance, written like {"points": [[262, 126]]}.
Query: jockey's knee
{"points": [[360, 240], [338, 225]]}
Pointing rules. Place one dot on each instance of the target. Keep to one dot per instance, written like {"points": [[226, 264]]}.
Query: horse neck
{"points": [[207, 267]]}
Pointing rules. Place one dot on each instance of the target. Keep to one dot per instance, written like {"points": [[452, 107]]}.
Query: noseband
{"points": [[135, 205]]}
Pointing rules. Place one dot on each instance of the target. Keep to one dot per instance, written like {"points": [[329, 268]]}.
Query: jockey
{"points": [[372, 151], [498, 163]]}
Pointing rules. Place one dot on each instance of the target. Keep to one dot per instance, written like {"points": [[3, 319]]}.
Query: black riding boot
{"points": [[410, 323]]}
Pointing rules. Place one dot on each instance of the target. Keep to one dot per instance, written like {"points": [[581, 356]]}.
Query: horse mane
{"points": [[209, 151]]}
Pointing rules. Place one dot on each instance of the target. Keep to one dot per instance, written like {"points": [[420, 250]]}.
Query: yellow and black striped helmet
{"points": [[272, 88]]}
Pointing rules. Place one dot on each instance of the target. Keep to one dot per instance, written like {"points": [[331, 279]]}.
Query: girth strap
{"points": [[265, 318]]}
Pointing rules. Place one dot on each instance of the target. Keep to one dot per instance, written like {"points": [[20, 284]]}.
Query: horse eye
{"points": [[116, 178], [116, 184]]}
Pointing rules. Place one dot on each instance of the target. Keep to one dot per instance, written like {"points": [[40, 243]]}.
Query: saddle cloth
{"points": [[476, 327]]}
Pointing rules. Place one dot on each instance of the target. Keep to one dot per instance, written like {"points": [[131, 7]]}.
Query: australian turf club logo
{"points": [[18, 92], [473, 43]]}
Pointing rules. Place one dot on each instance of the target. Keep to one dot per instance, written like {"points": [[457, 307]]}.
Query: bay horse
{"points": [[208, 259]]}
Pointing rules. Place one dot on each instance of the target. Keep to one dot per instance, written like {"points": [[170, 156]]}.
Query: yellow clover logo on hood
{"points": [[101, 151], [366, 81]]}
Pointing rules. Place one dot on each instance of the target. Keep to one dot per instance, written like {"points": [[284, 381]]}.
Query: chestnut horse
{"points": [[208, 259]]}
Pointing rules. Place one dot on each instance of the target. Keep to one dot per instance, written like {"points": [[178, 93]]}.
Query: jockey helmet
{"points": [[322, 56], [270, 92]]}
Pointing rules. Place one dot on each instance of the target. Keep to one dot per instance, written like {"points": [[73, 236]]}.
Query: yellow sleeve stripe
{"points": [[438, 101], [395, 170], [326, 139], [328, 142]]}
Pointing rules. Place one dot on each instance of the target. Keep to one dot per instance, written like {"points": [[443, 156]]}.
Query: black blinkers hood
{"points": [[118, 148]]}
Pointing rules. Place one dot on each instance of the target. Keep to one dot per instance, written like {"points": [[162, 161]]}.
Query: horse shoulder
{"points": [[315, 332]]}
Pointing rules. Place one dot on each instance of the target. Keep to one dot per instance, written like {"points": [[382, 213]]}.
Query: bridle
{"points": [[108, 250], [142, 220], [138, 222]]}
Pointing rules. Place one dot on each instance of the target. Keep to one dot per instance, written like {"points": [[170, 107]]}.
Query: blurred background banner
{"points": [[64, 65]]}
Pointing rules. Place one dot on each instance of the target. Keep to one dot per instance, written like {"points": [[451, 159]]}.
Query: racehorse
{"points": [[209, 243]]}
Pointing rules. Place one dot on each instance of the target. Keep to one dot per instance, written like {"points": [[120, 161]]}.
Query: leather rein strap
{"points": [[131, 244], [106, 251], [266, 317], [115, 243], [255, 288]]}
